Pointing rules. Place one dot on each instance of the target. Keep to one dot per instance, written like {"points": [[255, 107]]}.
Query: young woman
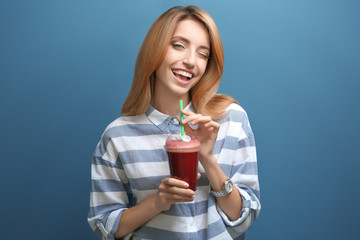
{"points": [[133, 195]]}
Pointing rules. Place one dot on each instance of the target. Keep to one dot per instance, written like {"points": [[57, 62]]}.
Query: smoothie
{"points": [[183, 158]]}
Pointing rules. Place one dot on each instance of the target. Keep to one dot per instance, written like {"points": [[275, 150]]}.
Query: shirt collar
{"points": [[160, 119]]}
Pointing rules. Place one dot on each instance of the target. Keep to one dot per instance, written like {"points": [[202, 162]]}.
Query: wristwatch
{"points": [[226, 190]]}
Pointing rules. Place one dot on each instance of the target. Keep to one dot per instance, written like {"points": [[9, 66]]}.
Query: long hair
{"points": [[152, 52]]}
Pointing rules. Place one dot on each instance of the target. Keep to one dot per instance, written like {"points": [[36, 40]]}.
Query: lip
{"points": [[182, 82]]}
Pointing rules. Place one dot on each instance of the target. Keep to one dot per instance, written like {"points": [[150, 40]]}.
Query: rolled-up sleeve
{"points": [[108, 196], [250, 211], [243, 171]]}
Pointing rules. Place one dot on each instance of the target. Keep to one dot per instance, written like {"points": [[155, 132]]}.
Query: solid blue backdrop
{"points": [[66, 68]]}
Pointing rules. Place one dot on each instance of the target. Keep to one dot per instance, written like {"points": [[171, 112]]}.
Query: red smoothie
{"points": [[183, 158]]}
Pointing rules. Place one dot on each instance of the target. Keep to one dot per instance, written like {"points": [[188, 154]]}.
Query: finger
{"points": [[197, 118], [191, 132], [184, 200], [198, 176], [184, 122], [202, 120], [175, 182], [191, 118], [177, 194], [180, 191], [212, 124], [175, 197], [187, 112]]}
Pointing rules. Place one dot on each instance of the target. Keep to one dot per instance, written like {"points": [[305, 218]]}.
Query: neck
{"points": [[169, 105]]}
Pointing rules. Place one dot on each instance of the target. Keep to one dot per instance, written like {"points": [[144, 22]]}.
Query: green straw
{"points": [[181, 119]]}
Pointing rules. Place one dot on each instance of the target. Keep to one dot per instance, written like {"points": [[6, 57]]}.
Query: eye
{"points": [[204, 55], [177, 45]]}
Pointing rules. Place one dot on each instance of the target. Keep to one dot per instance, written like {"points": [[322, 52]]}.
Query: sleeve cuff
{"points": [[248, 204], [109, 228]]}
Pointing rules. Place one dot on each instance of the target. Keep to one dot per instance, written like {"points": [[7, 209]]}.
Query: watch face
{"points": [[228, 186]]}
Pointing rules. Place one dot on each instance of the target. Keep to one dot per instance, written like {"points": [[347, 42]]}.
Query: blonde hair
{"points": [[152, 52]]}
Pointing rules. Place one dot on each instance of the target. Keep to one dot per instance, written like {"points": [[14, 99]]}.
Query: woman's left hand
{"points": [[206, 132]]}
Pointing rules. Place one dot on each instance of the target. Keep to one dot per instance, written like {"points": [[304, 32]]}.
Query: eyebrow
{"points": [[187, 41]]}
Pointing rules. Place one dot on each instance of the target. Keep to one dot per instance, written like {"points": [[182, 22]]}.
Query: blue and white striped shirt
{"points": [[130, 161]]}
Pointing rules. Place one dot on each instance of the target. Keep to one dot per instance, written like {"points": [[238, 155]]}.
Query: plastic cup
{"points": [[183, 158]]}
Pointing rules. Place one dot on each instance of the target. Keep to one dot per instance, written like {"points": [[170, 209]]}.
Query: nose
{"points": [[189, 59]]}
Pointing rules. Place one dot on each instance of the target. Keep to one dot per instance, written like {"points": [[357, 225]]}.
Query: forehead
{"points": [[193, 30]]}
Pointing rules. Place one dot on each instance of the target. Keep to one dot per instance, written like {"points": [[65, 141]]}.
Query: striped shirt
{"points": [[130, 161]]}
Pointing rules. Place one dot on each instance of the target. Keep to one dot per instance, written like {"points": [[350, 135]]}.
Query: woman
{"points": [[133, 195]]}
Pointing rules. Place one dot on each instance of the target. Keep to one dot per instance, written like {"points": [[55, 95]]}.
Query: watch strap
{"points": [[226, 190]]}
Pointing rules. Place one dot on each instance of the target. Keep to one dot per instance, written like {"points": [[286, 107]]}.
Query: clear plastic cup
{"points": [[183, 158]]}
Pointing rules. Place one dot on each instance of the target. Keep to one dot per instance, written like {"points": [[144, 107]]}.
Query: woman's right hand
{"points": [[172, 190]]}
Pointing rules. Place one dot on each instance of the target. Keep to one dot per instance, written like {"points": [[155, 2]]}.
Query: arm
{"points": [[207, 134], [240, 208], [109, 213], [237, 157], [170, 191], [110, 197], [231, 204]]}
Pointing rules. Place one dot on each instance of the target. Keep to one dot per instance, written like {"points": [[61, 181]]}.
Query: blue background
{"points": [[66, 68]]}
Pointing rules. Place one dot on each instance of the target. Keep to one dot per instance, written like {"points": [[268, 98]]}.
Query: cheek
{"points": [[172, 56], [163, 67], [202, 67], [160, 73]]}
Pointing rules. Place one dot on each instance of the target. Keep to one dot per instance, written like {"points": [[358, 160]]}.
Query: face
{"points": [[185, 60]]}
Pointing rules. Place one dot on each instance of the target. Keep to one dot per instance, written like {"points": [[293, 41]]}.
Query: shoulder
{"points": [[235, 112], [120, 125], [236, 122], [235, 107], [128, 120]]}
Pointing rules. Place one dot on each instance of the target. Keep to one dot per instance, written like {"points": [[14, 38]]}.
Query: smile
{"points": [[183, 75]]}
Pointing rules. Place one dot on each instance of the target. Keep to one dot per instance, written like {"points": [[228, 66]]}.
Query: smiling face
{"points": [[184, 63]]}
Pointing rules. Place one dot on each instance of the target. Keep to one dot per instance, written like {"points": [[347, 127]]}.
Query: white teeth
{"points": [[183, 73]]}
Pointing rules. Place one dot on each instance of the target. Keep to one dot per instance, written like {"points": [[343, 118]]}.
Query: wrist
{"points": [[225, 190], [155, 204], [208, 162], [214, 173], [159, 204]]}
